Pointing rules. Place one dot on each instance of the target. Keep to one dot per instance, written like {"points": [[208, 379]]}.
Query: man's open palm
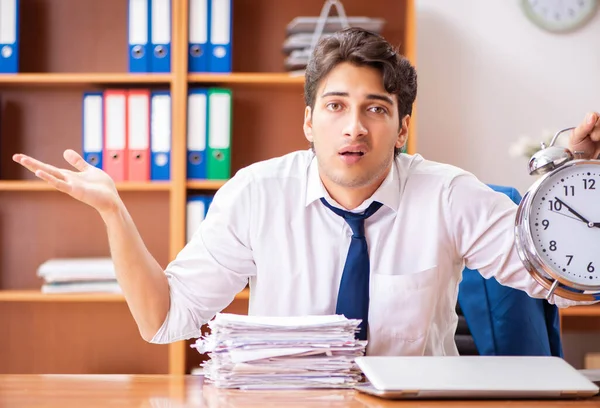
{"points": [[88, 184]]}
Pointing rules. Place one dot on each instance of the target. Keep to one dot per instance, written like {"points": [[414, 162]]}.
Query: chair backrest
{"points": [[463, 336], [499, 320]]}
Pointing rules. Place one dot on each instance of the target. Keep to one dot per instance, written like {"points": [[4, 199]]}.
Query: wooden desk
{"points": [[164, 391]]}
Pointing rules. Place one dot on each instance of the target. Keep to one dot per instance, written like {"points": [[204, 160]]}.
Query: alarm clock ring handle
{"points": [[550, 157]]}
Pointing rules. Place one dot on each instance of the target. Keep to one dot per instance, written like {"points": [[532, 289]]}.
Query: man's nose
{"points": [[355, 126]]}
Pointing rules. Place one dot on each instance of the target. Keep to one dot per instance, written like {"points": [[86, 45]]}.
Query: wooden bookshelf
{"points": [[59, 79], [38, 296], [205, 184], [70, 46], [257, 78], [32, 185]]}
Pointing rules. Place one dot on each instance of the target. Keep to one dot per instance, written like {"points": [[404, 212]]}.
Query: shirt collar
{"points": [[388, 192]]}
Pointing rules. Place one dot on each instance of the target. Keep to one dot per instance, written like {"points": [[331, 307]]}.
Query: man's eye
{"points": [[378, 109], [333, 106]]}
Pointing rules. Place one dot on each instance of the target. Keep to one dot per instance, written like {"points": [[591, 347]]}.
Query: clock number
{"points": [[590, 268], [552, 245], [545, 223], [569, 188], [555, 205], [570, 259], [589, 184]]}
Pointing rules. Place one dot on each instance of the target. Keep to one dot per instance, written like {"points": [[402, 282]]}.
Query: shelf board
{"points": [[82, 78], [259, 78], [34, 185], [37, 296], [581, 311], [205, 184]]}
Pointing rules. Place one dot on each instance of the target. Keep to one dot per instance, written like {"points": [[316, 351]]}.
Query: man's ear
{"points": [[308, 124], [403, 134]]}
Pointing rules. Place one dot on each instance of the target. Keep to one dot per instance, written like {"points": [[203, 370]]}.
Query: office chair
{"points": [[499, 320]]}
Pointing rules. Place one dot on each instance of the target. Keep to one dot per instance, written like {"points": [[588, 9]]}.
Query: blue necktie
{"points": [[353, 295]]}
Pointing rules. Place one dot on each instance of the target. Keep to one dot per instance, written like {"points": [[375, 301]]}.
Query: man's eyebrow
{"points": [[379, 97], [334, 93]]}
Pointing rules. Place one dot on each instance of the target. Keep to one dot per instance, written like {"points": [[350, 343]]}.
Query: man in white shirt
{"points": [[275, 224]]}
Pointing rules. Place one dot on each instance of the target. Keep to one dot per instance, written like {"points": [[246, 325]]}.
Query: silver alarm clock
{"points": [[558, 223]]}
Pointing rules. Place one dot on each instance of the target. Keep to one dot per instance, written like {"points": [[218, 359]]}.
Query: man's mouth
{"points": [[352, 154], [353, 151]]}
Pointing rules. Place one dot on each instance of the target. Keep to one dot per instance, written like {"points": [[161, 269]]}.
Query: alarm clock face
{"points": [[564, 222]]}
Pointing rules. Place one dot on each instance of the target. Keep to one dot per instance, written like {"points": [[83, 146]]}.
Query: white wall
{"points": [[487, 76]]}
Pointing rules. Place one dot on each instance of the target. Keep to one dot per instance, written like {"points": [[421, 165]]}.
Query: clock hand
{"points": [[566, 215], [572, 211]]}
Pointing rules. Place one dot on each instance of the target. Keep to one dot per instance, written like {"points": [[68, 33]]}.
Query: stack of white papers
{"points": [[252, 352], [300, 32], [79, 275]]}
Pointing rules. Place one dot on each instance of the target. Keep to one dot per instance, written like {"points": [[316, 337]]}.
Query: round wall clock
{"points": [[559, 15]]}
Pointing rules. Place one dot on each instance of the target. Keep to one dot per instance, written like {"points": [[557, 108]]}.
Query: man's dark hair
{"points": [[363, 48]]}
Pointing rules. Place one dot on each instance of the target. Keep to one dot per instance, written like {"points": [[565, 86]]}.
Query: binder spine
{"points": [[160, 17], [198, 35], [9, 36], [160, 136], [220, 36], [92, 128], [219, 134], [197, 133], [138, 18]]}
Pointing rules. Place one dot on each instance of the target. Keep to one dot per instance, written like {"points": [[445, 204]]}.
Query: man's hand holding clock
{"points": [[584, 141]]}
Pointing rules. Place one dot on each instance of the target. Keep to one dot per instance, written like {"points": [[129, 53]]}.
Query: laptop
{"points": [[466, 377]]}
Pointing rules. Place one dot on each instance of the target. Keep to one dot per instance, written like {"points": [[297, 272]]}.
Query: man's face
{"points": [[354, 127]]}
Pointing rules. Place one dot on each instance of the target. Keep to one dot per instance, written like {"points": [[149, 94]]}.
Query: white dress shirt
{"points": [[267, 226]]}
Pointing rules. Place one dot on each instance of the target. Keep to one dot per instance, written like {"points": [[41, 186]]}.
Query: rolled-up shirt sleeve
{"points": [[214, 266], [483, 225]]}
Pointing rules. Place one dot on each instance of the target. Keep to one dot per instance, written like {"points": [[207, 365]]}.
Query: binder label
{"points": [[161, 123], [8, 25], [161, 21], [197, 122], [138, 127], [115, 123], [92, 123], [138, 26], [198, 31], [219, 122], [220, 27]]}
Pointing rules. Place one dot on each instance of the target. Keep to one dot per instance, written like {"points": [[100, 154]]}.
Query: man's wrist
{"points": [[113, 212]]}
